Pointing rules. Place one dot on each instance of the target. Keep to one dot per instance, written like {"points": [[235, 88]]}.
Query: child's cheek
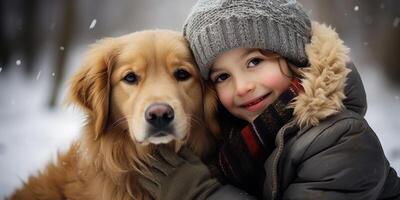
{"points": [[226, 98], [276, 82]]}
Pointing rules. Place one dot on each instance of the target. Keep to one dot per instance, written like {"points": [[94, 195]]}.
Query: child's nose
{"points": [[244, 87]]}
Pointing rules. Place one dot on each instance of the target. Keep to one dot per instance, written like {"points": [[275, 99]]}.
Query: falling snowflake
{"points": [[38, 75], [397, 97], [18, 62], [53, 74], [356, 8], [396, 22], [382, 6], [1, 69], [93, 24], [365, 43], [61, 48]]}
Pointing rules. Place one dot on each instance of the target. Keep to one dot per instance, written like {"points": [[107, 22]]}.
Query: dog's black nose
{"points": [[159, 115]]}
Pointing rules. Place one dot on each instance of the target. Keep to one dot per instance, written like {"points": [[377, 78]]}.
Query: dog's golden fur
{"points": [[105, 162]]}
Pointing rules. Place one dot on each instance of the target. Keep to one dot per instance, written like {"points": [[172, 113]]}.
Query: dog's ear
{"points": [[90, 86], [210, 108]]}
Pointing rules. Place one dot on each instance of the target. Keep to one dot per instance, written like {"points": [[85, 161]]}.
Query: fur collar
{"points": [[324, 79]]}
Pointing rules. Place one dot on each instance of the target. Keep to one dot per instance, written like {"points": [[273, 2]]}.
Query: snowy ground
{"points": [[31, 135]]}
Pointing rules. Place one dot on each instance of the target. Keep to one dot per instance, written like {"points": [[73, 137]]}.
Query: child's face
{"points": [[247, 81]]}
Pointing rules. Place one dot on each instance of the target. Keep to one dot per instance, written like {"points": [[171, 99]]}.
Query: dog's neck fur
{"points": [[116, 156]]}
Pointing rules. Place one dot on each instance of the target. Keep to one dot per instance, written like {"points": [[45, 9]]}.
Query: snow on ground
{"points": [[383, 113], [31, 135]]}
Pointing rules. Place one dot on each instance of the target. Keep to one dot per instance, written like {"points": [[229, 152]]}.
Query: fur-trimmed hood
{"points": [[324, 80]]}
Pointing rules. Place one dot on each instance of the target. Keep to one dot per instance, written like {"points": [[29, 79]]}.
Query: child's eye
{"points": [[254, 61], [221, 77]]}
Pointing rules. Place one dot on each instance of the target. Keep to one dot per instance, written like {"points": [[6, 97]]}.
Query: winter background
{"points": [[42, 43]]}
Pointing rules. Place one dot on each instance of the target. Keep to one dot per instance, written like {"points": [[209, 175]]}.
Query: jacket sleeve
{"points": [[229, 192], [345, 161]]}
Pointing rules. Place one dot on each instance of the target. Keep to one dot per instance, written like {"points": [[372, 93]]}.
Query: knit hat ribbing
{"points": [[216, 26]]}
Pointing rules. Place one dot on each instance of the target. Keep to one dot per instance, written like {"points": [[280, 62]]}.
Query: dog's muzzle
{"points": [[159, 116]]}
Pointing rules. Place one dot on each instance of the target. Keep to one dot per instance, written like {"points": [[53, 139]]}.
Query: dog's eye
{"points": [[131, 78], [182, 75]]}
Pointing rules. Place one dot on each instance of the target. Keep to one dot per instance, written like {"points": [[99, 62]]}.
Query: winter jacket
{"points": [[328, 150]]}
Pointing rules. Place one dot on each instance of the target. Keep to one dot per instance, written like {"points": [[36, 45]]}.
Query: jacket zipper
{"points": [[279, 143]]}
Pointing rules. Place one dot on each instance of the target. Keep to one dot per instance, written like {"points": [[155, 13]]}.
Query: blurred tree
{"points": [[18, 32], [27, 35], [64, 42], [5, 49]]}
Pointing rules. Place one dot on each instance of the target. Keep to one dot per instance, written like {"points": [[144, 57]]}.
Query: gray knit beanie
{"points": [[216, 26]]}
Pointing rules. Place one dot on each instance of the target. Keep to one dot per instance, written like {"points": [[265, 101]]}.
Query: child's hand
{"points": [[178, 176]]}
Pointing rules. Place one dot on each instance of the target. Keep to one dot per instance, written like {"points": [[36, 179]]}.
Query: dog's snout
{"points": [[159, 115]]}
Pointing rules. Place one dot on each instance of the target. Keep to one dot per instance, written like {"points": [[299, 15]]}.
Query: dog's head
{"points": [[145, 85]]}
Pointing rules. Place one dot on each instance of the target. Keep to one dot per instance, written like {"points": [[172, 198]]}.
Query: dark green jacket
{"points": [[328, 151]]}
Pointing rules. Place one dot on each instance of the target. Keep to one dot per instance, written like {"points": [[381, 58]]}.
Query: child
{"points": [[304, 135]]}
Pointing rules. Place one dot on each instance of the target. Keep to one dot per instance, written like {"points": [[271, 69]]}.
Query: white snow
{"points": [[93, 24], [38, 75], [31, 135], [61, 48], [356, 8], [383, 114], [18, 62]]}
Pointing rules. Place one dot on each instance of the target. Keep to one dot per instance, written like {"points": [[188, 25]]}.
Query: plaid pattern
{"points": [[243, 153]]}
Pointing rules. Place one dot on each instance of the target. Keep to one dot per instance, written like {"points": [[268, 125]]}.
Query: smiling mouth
{"points": [[255, 102]]}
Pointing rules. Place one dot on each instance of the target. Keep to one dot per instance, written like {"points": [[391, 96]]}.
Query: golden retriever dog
{"points": [[138, 90]]}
